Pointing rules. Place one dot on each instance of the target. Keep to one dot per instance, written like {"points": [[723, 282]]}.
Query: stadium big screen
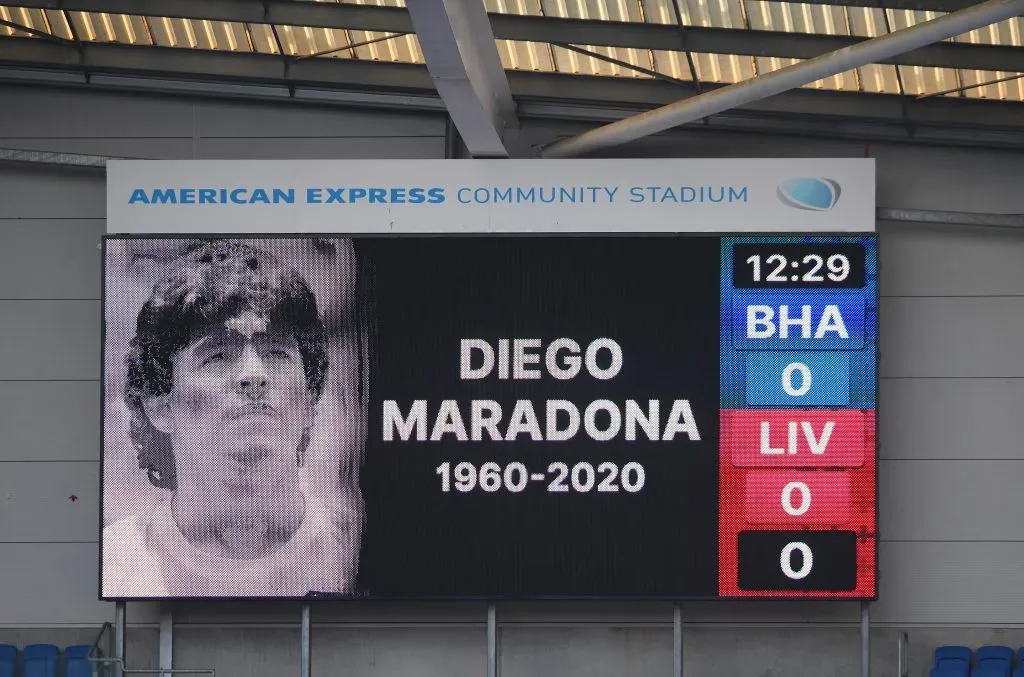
{"points": [[540, 414]]}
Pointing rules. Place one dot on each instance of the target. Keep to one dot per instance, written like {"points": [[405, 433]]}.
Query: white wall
{"points": [[952, 399]]}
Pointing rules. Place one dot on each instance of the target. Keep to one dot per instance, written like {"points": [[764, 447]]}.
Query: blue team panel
{"points": [[863, 367], [862, 373], [798, 379], [804, 321]]}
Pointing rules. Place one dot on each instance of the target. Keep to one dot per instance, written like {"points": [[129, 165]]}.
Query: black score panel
{"points": [[804, 266], [805, 561]]}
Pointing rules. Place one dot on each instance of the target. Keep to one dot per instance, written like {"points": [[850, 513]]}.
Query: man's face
{"points": [[237, 409]]}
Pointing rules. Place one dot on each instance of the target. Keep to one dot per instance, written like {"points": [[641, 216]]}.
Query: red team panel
{"points": [[816, 498], [838, 471], [794, 438]]}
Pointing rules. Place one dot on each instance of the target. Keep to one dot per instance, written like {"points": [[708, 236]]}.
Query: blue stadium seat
{"points": [[953, 661], [39, 660], [996, 658], [75, 662], [962, 653], [994, 669], [8, 660], [1004, 653], [951, 667]]}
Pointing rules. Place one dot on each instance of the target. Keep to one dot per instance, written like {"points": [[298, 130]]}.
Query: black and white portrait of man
{"points": [[234, 417]]}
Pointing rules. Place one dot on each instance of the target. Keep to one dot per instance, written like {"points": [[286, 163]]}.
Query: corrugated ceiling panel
{"points": [[568, 61], [919, 80], [522, 7], [525, 56], [866, 22], [673, 64], [716, 13], [166, 32], [659, 11], [878, 79], [1007, 32], [719, 68], [797, 17], [1007, 89], [296, 40], [339, 43], [601, 10], [801, 18], [405, 48], [32, 18], [262, 37], [723, 67]]}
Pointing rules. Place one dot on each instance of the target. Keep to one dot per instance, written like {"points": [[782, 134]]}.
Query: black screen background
{"points": [[658, 297]]}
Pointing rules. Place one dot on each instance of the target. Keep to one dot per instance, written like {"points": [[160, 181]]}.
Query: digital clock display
{"points": [[826, 266]]}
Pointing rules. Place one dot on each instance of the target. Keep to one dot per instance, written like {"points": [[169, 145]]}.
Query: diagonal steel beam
{"points": [[741, 93], [463, 61]]}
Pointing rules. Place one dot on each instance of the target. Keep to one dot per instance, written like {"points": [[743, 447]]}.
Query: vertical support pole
{"points": [[677, 640], [166, 638], [903, 655], [865, 640], [306, 653], [492, 641], [120, 614]]}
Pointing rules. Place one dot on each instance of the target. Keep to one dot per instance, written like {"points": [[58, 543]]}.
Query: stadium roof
{"points": [[614, 56]]}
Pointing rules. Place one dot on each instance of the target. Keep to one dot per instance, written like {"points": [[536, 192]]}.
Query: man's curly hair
{"points": [[207, 284]]}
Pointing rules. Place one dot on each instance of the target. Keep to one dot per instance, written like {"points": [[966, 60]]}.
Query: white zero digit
{"points": [[632, 477], [805, 379], [516, 477], [786, 560], [490, 476], [582, 479], [787, 498]]}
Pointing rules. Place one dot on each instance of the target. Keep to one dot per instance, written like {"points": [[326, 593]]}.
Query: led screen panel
{"points": [[490, 416]]}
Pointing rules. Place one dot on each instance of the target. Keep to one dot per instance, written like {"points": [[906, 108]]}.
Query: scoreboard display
{"points": [[490, 380], [544, 417], [797, 456]]}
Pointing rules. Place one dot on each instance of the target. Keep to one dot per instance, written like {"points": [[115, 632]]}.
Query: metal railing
{"points": [[94, 656], [109, 662], [102, 665]]}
